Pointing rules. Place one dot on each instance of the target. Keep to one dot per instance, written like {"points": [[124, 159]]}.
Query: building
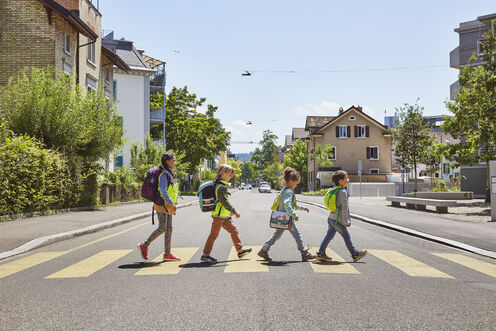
{"points": [[355, 138], [297, 133], [474, 177], [132, 92]]}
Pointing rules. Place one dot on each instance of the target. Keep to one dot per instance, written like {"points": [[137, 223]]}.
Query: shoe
{"points": [[208, 259], [359, 255], [244, 252], [170, 257], [305, 256], [323, 257], [144, 251], [264, 255]]}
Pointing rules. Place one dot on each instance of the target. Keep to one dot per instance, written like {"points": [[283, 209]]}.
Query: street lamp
{"points": [[246, 73]]}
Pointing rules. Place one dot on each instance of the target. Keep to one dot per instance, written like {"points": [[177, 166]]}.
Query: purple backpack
{"points": [[150, 191]]}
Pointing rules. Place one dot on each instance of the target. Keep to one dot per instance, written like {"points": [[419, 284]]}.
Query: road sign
{"points": [[402, 171], [360, 165]]}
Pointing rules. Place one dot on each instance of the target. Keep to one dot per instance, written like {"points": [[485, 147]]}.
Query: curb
{"points": [[51, 239], [423, 235]]}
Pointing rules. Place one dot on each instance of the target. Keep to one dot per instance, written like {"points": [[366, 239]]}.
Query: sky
{"points": [[306, 57]]}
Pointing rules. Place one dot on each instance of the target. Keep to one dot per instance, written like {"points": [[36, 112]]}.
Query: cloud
{"points": [[234, 131], [241, 124]]}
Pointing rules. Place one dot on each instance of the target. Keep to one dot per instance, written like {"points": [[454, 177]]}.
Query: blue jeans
{"points": [[343, 231], [278, 233]]}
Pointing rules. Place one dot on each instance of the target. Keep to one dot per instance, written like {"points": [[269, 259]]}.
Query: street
{"points": [[99, 281]]}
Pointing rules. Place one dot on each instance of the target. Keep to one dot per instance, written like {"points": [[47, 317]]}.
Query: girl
{"points": [[287, 203], [169, 190], [221, 216]]}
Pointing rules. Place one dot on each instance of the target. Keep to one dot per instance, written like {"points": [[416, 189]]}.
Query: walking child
{"points": [[287, 203], [168, 189], [339, 220], [221, 215]]}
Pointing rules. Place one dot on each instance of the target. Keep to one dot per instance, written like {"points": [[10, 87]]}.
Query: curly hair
{"points": [[290, 174], [338, 175]]}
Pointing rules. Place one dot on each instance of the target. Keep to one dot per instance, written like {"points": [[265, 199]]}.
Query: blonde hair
{"points": [[290, 174], [223, 169]]}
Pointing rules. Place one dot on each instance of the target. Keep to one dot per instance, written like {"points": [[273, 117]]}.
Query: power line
{"points": [[250, 72]]}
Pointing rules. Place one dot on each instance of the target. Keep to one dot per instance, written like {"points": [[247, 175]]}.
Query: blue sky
{"points": [[208, 44]]}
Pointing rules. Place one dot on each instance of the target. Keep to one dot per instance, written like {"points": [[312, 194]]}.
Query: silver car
{"points": [[264, 188]]}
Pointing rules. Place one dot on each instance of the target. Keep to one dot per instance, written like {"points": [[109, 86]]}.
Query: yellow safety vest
{"points": [[221, 211], [172, 190]]}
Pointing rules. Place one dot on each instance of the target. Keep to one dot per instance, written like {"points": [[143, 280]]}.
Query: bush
{"points": [[316, 193], [32, 178]]}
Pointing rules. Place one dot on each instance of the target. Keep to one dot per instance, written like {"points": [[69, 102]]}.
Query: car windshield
{"points": [[265, 186]]}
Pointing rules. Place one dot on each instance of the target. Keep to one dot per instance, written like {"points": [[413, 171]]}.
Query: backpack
{"points": [[149, 189], [206, 195], [330, 198]]}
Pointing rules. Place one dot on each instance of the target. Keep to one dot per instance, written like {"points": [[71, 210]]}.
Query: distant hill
{"points": [[245, 157]]}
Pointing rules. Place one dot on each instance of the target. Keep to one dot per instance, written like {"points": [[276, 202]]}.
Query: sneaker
{"points": [[305, 256], [264, 255], [170, 257], [244, 252], [208, 259], [144, 251], [323, 257], [359, 255]]}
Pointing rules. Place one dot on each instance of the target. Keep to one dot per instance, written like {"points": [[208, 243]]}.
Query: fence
{"points": [[111, 193]]}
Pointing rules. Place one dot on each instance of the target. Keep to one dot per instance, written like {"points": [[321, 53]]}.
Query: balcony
{"points": [[157, 116], [453, 88], [455, 58]]}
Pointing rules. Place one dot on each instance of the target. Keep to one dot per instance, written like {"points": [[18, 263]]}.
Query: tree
{"points": [[249, 172], [411, 138], [474, 110], [272, 173], [186, 129], [323, 155], [297, 159], [268, 148], [237, 170]]}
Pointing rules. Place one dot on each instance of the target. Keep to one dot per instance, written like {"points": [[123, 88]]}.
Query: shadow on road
{"points": [[139, 265]]}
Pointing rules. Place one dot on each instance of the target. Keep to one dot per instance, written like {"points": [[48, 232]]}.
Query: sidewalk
{"points": [[478, 234], [21, 231]]}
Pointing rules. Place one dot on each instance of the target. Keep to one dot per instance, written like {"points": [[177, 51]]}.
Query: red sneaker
{"points": [[170, 257], [144, 251]]}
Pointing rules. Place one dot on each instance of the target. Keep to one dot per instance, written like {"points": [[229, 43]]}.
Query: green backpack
{"points": [[330, 198]]}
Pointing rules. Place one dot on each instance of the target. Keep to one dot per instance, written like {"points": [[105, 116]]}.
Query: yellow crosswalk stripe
{"points": [[249, 263], [337, 266], [408, 265], [27, 262], [157, 267], [89, 266], [480, 266]]}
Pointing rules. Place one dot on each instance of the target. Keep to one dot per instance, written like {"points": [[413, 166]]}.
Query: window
{"points": [[91, 51], [333, 154], [91, 83], [106, 70], [480, 47], [373, 153], [67, 68], [119, 161], [67, 43], [352, 118], [374, 171], [114, 89], [361, 131], [446, 168], [342, 131]]}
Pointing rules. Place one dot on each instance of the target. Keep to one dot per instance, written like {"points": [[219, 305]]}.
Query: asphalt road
{"points": [[99, 281]]}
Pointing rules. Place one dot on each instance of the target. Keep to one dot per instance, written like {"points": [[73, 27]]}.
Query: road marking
{"points": [[249, 263], [337, 266], [157, 267], [89, 266], [408, 265], [27, 262], [477, 265]]}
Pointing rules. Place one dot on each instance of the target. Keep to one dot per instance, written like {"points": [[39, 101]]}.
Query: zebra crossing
{"points": [[249, 264]]}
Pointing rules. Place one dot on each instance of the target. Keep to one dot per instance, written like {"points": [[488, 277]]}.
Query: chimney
{"points": [[340, 110], [359, 108]]}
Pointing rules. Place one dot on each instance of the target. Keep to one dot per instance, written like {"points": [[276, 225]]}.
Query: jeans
{"points": [[278, 233], [164, 226], [343, 231]]}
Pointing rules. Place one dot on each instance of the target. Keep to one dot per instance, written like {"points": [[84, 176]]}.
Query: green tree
{"points": [[297, 159], [474, 110], [257, 158], [237, 170], [268, 148], [412, 140], [249, 172], [198, 135], [323, 155], [271, 172]]}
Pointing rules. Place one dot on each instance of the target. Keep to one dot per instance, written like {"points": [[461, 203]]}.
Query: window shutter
{"points": [[348, 131], [337, 131], [356, 130], [368, 153], [366, 131]]}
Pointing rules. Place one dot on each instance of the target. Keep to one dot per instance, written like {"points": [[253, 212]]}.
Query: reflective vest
{"points": [[172, 189], [220, 210]]}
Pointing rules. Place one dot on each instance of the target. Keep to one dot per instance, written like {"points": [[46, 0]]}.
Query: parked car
{"points": [[264, 188], [245, 186]]}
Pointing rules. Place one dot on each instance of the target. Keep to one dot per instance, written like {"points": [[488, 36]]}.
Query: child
{"points": [[340, 219], [221, 216], [169, 190], [287, 203]]}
